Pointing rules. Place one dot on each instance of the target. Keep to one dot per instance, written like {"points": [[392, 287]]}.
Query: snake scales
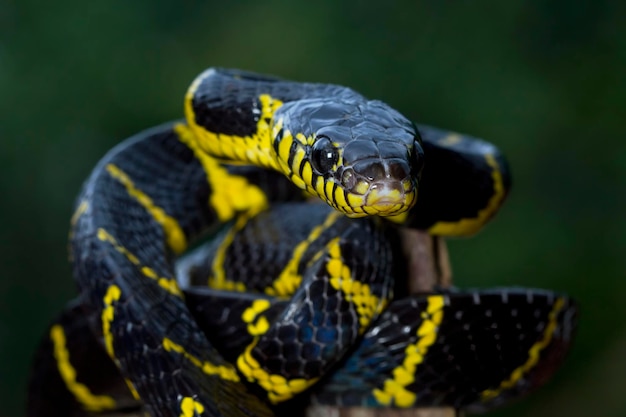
{"points": [[288, 296]]}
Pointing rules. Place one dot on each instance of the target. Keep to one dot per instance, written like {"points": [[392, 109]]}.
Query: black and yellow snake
{"points": [[287, 296]]}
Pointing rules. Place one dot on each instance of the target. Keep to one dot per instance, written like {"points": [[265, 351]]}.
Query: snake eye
{"points": [[324, 155]]}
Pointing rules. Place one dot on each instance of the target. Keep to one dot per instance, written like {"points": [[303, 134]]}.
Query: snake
{"points": [[211, 284]]}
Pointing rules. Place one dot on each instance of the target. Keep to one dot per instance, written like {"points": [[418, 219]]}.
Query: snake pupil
{"points": [[324, 155]]}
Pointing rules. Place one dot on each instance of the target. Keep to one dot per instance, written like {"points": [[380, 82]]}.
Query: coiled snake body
{"points": [[296, 298]]}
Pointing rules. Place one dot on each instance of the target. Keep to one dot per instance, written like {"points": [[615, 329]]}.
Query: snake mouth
{"points": [[378, 186], [388, 198], [381, 198]]}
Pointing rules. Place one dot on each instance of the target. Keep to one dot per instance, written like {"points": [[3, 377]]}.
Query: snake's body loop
{"points": [[290, 293]]}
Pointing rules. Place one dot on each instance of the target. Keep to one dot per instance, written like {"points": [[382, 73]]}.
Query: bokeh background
{"points": [[543, 79]]}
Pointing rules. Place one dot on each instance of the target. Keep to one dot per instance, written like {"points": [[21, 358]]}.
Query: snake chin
{"points": [[381, 199], [390, 197]]}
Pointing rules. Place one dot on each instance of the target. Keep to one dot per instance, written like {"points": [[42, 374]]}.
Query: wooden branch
{"points": [[429, 264]]}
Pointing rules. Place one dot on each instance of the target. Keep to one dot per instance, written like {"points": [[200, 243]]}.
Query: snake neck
{"points": [[237, 143], [360, 156]]}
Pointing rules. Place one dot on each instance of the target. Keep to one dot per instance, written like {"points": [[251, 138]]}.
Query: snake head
{"points": [[361, 157]]}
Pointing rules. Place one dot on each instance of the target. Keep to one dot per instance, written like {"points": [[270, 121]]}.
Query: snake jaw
{"points": [[380, 198], [385, 197]]}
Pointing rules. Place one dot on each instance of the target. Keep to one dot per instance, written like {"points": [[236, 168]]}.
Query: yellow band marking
{"points": [[80, 391], [225, 372], [298, 182], [533, 354], [278, 387], [472, 225], [297, 159], [318, 187], [255, 149], [450, 140], [289, 279], [218, 278], [355, 202], [80, 210], [168, 284], [398, 218], [190, 407], [257, 323], [284, 147], [328, 193], [307, 176], [112, 295], [394, 392], [174, 234], [230, 194], [339, 197], [132, 389], [368, 305]]}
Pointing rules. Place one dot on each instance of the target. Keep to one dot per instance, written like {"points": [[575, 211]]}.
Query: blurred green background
{"points": [[543, 79]]}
